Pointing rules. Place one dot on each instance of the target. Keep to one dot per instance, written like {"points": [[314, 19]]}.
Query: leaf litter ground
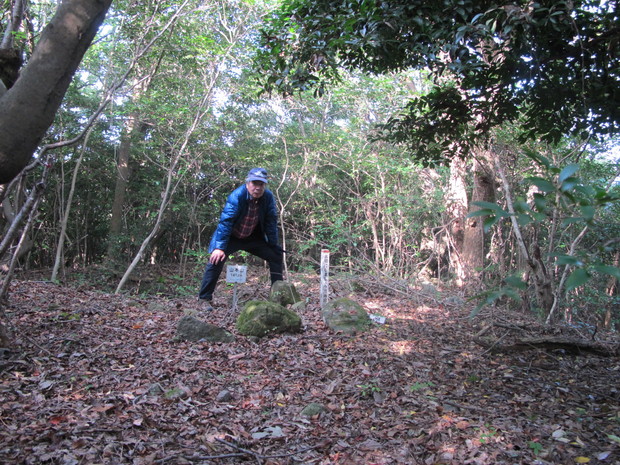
{"points": [[96, 378]]}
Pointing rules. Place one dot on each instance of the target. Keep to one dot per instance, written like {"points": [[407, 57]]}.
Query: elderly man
{"points": [[249, 221]]}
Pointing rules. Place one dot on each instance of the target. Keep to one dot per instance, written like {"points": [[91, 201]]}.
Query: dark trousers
{"points": [[253, 245]]}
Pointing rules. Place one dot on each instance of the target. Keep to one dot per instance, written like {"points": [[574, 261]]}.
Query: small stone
{"points": [[313, 409], [224, 396], [176, 393], [155, 390], [284, 293], [190, 328]]}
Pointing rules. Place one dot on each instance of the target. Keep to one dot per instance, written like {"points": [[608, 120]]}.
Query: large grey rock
{"points": [[193, 329], [346, 315], [284, 293], [261, 318]]}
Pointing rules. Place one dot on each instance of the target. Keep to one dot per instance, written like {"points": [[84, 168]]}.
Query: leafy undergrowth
{"points": [[96, 378]]}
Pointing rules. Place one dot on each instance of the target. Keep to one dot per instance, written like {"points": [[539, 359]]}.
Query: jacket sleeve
{"points": [[229, 216]]}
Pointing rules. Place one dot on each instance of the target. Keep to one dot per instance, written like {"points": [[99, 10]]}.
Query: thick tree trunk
{"points": [[473, 240], [28, 108], [457, 209]]}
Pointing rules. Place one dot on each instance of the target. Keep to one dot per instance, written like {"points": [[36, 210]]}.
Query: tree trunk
{"points": [[473, 240], [457, 209], [28, 108], [58, 262], [611, 290], [131, 130], [538, 271], [122, 179]]}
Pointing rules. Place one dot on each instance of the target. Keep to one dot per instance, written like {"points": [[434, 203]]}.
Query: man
{"points": [[249, 221]]}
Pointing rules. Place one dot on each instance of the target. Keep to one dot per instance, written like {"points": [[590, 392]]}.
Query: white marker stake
{"points": [[235, 274], [324, 277]]}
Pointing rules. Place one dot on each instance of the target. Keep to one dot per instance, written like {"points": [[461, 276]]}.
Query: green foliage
{"points": [[368, 389], [487, 433], [419, 386], [507, 61], [535, 446], [569, 207], [424, 123], [511, 288]]}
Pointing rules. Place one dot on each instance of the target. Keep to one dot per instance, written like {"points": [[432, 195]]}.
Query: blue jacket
{"points": [[235, 209]]}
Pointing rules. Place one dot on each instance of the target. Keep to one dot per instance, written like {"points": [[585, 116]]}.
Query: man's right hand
{"points": [[217, 256]]}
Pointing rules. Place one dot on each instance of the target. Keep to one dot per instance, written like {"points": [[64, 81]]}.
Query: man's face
{"points": [[255, 188]]}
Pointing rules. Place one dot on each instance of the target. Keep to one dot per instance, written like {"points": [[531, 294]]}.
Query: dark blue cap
{"points": [[257, 174]]}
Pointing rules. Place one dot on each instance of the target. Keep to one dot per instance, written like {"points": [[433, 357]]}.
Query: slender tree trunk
{"points": [[612, 289], [172, 182], [65, 219], [539, 273], [132, 129], [120, 189], [283, 205]]}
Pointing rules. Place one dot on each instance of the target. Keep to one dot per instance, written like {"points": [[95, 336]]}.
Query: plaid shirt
{"points": [[246, 225]]}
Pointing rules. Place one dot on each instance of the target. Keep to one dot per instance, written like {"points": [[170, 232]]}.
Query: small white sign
{"points": [[377, 318], [236, 273]]}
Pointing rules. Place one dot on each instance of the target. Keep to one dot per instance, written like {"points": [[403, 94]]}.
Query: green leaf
{"points": [[543, 184], [483, 212], [524, 219], [569, 184], [521, 206], [572, 220], [567, 172], [516, 282], [577, 278], [512, 294], [588, 212], [491, 206], [540, 201], [568, 260], [607, 269], [489, 222]]}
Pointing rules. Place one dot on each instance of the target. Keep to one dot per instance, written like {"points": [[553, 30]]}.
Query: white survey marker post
{"points": [[236, 274], [324, 277]]}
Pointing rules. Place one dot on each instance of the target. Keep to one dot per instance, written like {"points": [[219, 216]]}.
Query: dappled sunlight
{"points": [[402, 347], [400, 311]]}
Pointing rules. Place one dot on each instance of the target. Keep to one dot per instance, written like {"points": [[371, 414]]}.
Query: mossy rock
{"points": [[284, 293], [313, 409], [346, 315], [193, 329], [260, 318], [299, 306]]}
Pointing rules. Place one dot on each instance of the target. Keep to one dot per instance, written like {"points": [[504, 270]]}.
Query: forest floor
{"points": [[97, 378]]}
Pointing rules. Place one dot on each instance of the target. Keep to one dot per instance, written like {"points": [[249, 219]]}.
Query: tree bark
{"points": [[122, 180], [473, 239], [611, 290], [456, 209], [28, 108]]}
